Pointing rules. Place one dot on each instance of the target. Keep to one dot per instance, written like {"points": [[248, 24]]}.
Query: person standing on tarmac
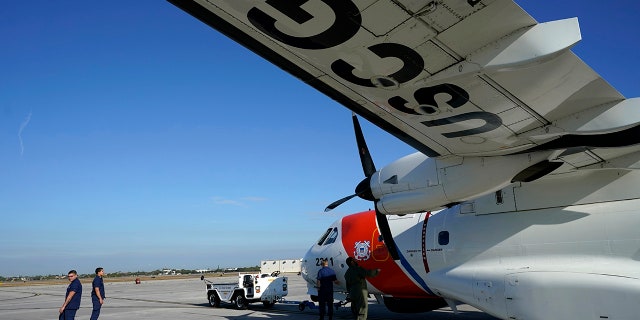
{"points": [[356, 281], [72, 298], [97, 293], [325, 280]]}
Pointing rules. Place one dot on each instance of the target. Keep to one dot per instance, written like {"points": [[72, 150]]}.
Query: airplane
{"points": [[526, 154], [357, 236]]}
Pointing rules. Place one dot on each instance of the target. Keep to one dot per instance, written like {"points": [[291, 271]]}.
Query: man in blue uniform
{"points": [[72, 298], [325, 280], [97, 293]]}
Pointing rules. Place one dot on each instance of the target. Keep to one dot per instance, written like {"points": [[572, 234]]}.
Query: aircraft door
{"points": [[436, 240]]}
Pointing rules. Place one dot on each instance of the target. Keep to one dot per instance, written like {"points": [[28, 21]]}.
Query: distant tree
{"points": [[117, 274]]}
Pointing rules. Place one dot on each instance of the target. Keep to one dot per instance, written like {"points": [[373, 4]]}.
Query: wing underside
{"points": [[448, 77]]}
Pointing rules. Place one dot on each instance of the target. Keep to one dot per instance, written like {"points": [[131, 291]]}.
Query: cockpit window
{"points": [[324, 236], [332, 237]]}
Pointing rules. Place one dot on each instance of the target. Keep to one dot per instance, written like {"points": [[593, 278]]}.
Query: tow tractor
{"points": [[250, 288]]}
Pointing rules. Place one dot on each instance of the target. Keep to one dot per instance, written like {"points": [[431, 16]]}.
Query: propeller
{"points": [[363, 189]]}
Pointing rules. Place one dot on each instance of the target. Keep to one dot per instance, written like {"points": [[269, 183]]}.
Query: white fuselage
{"points": [[567, 245]]}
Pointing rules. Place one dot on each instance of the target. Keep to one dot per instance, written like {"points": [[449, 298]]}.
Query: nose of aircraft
{"points": [[307, 268], [327, 247]]}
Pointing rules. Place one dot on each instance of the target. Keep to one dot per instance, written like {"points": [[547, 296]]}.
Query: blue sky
{"points": [[134, 137]]}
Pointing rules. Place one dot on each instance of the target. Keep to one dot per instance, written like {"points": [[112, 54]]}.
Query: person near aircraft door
{"points": [[97, 293], [325, 280], [356, 281], [72, 298]]}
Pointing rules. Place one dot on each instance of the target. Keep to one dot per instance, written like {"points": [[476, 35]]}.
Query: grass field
{"points": [[113, 279]]}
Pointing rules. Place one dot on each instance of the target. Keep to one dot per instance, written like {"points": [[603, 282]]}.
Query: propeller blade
{"points": [[339, 202], [385, 232], [363, 190], [368, 166]]}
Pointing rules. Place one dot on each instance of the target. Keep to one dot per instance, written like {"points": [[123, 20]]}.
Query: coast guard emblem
{"points": [[362, 250]]}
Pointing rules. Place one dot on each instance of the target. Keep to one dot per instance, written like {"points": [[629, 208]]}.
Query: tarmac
{"points": [[185, 299]]}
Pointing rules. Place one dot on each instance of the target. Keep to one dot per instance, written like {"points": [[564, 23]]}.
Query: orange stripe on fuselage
{"points": [[361, 240]]}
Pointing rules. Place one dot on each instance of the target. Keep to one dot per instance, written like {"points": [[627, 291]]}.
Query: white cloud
{"points": [[223, 201], [254, 199], [242, 202]]}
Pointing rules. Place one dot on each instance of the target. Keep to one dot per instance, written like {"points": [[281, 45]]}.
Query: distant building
{"points": [[286, 265]]}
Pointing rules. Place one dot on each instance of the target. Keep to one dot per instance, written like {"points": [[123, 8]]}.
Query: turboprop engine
{"points": [[417, 183]]}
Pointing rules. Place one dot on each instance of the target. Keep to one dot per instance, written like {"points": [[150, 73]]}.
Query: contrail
{"points": [[22, 126]]}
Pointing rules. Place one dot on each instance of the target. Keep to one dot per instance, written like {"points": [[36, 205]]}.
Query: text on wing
{"points": [[347, 22]]}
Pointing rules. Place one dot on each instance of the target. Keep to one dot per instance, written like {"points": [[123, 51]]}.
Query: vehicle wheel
{"points": [[214, 301], [241, 303], [268, 304]]}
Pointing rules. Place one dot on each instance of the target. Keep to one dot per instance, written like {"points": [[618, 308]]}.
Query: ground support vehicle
{"points": [[311, 305], [249, 288], [301, 304]]}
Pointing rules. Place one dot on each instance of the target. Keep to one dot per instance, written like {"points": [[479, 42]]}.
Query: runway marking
{"points": [[18, 298]]}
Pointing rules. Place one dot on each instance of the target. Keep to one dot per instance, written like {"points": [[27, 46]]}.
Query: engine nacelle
{"points": [[417, 183]]}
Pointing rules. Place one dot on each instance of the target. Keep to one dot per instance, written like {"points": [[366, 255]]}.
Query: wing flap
{"points": [[551, 88], [618, 158]]}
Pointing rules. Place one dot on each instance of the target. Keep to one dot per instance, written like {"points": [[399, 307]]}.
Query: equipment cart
{"points": [[250, 288]]}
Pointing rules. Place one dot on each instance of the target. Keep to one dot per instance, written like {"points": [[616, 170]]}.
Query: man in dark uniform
{"points": [[357, 287], [97, 294], [72, 298], [325, 280]]}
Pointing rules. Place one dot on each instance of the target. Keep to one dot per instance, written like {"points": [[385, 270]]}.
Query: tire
{"points": [[241, 303], [214, 301]]}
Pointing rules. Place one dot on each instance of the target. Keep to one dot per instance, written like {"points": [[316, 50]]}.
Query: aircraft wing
{"points": [[448, 77]]}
